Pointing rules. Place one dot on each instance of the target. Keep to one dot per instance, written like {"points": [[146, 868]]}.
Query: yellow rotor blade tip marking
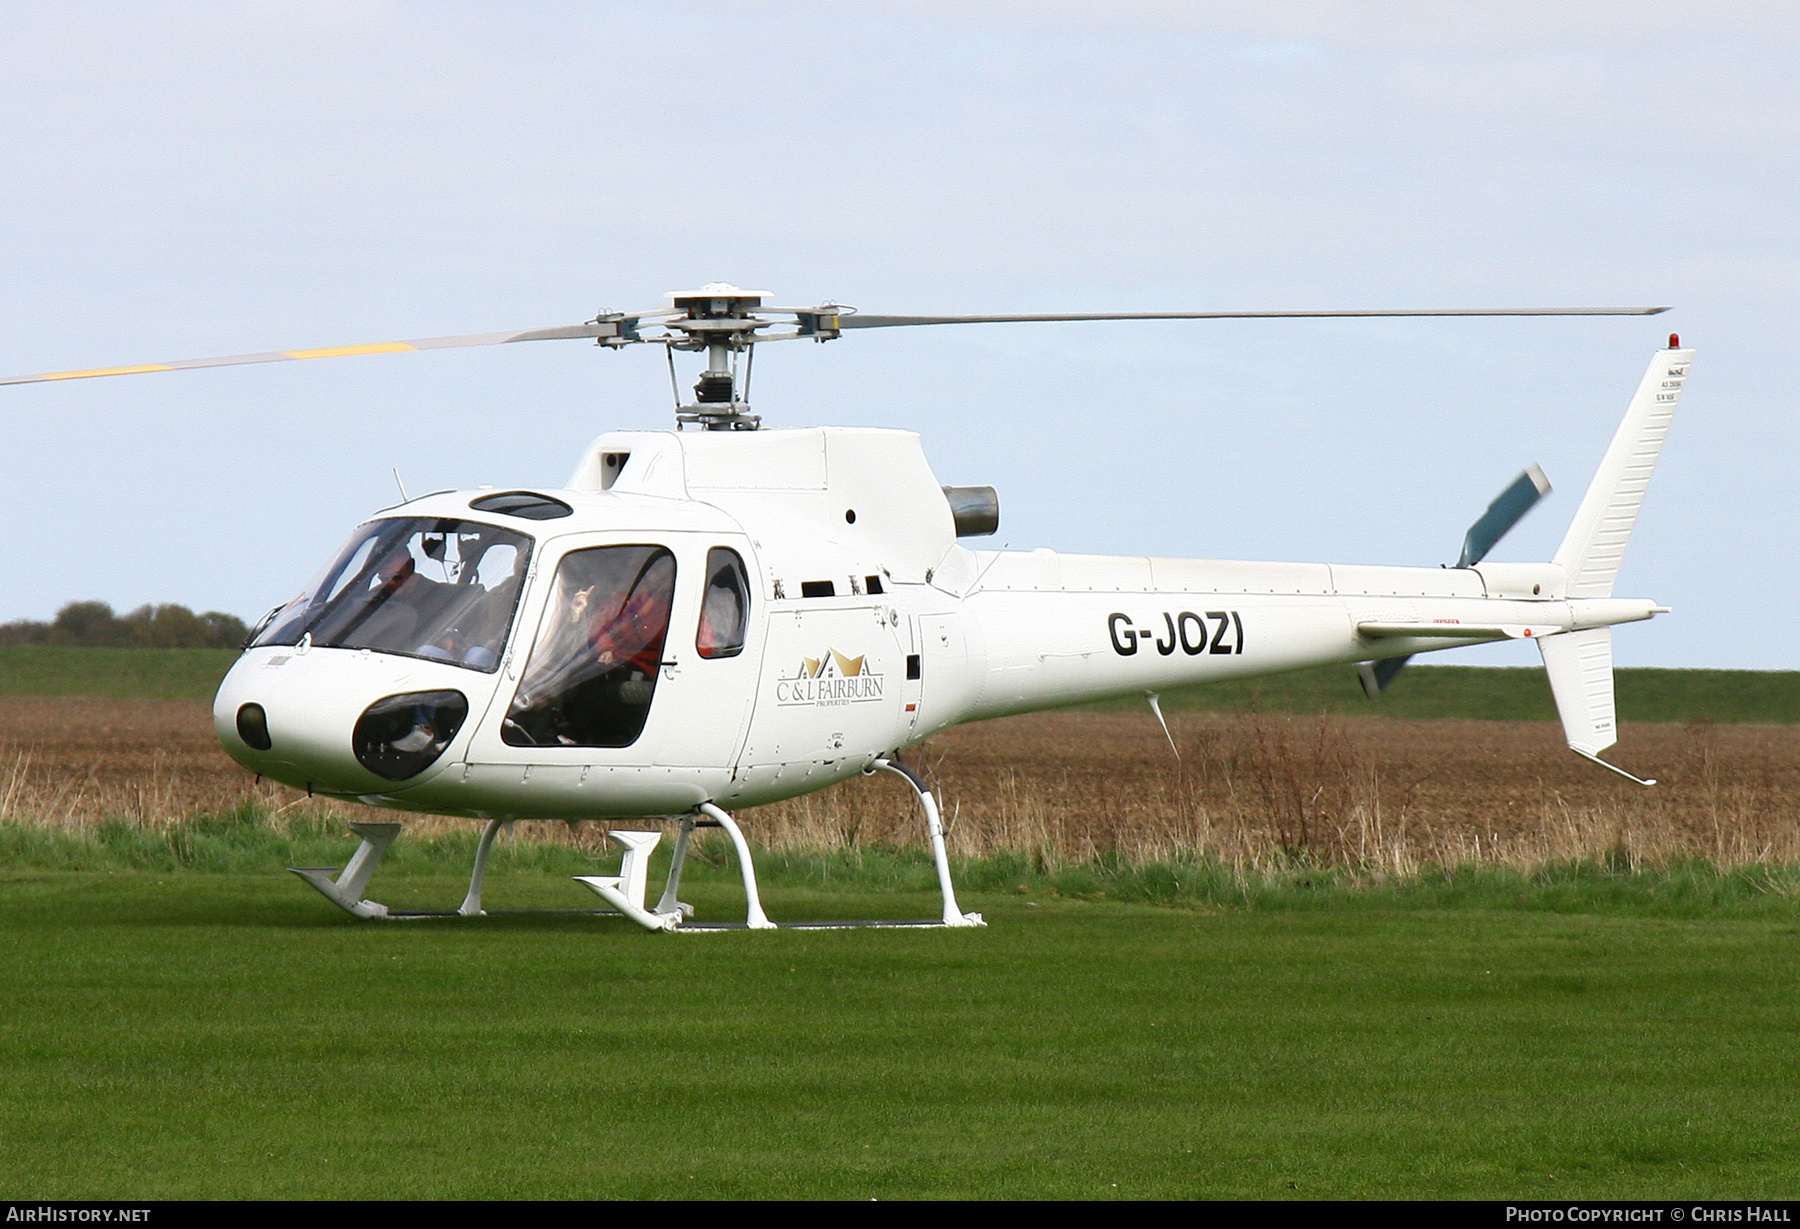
{"points": [[105, 371], [379, 347]]}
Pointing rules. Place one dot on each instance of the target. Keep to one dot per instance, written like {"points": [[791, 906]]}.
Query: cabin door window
{"points": [[725, 605], [593, 672]]}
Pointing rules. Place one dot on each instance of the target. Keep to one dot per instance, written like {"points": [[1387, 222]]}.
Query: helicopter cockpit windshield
{"points": [[417, 586]]}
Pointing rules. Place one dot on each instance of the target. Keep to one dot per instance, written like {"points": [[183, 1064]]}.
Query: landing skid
{"points": [[695, 928], [625, 891], [671, 914], [346, 891]]}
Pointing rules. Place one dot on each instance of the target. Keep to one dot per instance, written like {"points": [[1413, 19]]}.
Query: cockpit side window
{"points": [[418, 586], [593, 671], [725, 606]]}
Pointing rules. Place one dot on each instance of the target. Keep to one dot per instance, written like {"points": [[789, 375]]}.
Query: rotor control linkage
{"points": [[953, 915]]}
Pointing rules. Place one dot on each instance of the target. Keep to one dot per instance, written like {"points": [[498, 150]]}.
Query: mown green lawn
{"points": [[189, 1034]]}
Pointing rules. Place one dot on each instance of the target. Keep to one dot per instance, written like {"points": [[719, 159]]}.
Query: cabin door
{"points": [[640, 654]]}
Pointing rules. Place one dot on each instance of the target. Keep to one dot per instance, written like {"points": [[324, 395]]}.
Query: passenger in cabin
{"points": [[422, 586], [591, 676], [723, 609], [474, 618], [633, 635]]}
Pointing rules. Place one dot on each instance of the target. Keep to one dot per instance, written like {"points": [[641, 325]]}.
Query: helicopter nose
{"points": [[339, 722]]}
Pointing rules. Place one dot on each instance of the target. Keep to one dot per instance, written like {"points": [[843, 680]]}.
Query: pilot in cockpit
{"points": [[397, 594]]}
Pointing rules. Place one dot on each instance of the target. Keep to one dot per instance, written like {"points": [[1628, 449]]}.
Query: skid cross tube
{"points": [[669, 904], [471, 906], [953, 915], [755, 918]]}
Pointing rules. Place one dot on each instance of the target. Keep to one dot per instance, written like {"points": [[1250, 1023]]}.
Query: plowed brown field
{"points": [[1366, 791]]}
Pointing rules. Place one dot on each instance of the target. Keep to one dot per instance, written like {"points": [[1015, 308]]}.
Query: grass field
{"points": [[1317, 956], [1421, 692], [206, 1035], [114, 674]]}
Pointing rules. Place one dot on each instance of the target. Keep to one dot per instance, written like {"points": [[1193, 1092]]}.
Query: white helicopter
{"points": [[729, 616]]}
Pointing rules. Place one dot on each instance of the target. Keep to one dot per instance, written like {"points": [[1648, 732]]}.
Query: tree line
{"points": [[93, 625]]}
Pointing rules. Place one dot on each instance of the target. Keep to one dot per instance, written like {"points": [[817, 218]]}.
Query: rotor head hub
{"points": [[717, 301]]}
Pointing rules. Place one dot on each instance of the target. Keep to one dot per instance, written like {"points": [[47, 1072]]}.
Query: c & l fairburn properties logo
{"points": [[829, 679]]}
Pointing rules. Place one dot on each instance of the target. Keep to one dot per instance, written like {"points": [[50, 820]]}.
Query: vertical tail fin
{"points": [[1595, 544], [1580, 663], [1581, 678], [1580, 667]]}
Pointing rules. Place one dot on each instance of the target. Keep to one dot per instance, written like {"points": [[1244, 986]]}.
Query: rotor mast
{"points": [[717, 319]]}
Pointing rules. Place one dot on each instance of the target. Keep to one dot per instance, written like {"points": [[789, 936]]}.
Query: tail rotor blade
{"points": [[1376, 675], [1512, 504]]}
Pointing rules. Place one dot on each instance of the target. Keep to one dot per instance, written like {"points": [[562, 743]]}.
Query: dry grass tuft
{"points": [[1369, 794], [1365, 793]]}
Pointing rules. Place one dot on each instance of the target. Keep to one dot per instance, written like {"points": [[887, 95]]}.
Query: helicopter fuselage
{"points": [[739, 617]]}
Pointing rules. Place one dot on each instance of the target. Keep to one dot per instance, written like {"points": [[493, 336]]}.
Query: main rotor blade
{"points": [[568, 332], [1511, 504], [888, 322]]}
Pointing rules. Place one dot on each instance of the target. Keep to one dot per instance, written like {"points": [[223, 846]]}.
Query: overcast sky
{"points": [[188, 180]]}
